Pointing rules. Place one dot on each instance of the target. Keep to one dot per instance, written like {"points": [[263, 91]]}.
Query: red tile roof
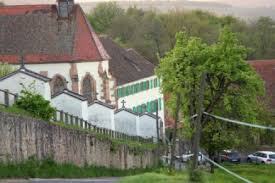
{"points": [[36, 32], [266, 69]]}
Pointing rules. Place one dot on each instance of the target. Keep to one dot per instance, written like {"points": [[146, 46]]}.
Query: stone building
{"points": [[57, 42]]}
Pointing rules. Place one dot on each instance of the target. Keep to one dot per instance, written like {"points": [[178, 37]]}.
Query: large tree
{"points": [[232, 87]]}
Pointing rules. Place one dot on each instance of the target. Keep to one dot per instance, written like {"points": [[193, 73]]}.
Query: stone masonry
{"points": [[22, 137]]}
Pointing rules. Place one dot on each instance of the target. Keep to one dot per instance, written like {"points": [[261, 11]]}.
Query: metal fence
{"points": [[7, 99]]}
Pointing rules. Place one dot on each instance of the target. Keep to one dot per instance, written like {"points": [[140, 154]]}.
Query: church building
{"points": [[58, 42]]}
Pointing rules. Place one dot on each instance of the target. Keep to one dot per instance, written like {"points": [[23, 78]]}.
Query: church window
{"points": [[59, 84], [88, 88]]}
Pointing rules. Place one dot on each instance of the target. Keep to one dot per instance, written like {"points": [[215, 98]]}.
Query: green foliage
{"points": [[229, 77], [102, 16], [153, 34], [255, 173], [48, 168], [156, 178], [5, 69], [35, 104]]}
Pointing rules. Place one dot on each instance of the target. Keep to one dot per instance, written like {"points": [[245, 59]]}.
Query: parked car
{"points": [[188, 157], [266, 157], [230, 156]]}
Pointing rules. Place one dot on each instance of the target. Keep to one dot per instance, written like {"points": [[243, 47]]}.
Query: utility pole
{"points": [[176, 114], [196, 142]]}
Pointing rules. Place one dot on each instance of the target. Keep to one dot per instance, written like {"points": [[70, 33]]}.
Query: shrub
{"points": [[35, 104], [5, 69]]}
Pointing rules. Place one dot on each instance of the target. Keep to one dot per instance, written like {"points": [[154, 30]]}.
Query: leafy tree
{"points": [[5, 69], [103, 15], [35, 103], [229, 78], [264, 38]]}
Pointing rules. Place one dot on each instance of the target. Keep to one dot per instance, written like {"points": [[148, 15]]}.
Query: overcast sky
{"points": [[255, 3]]}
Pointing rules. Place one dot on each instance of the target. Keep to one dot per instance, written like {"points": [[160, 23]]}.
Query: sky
{"points": [[256, 3]]}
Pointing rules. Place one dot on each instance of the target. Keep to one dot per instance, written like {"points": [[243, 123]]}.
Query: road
{"points": [[99, 180]]}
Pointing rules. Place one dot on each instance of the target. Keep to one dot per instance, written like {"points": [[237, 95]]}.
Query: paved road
{"points": [[99, 180]]}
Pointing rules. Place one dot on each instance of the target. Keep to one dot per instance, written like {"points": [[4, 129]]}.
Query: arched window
{"points": [[88, 88], [59, 84]]}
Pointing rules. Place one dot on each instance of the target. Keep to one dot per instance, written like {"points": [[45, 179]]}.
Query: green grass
{"points": [[254, 173], [16, 110], [155, 177], [49, 169]]}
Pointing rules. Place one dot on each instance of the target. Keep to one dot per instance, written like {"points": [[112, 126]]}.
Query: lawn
{"points": [[254, 173]]}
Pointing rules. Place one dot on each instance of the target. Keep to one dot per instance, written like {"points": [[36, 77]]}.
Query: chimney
{"points": [[65, 7]]}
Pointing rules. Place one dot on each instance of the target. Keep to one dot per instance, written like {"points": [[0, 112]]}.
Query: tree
{"points": [[103, 14], [264, 38], [228, 79], [5, 69]]}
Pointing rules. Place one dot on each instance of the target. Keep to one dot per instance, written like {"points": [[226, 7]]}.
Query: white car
{"points": [[266, 157]]}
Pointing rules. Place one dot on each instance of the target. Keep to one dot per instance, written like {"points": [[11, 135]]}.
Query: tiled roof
{"points": [[126, 65], [266, 69], [37, 33]]}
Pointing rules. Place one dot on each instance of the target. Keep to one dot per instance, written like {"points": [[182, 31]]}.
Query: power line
{"points": [[240, 123], [228, 171]]}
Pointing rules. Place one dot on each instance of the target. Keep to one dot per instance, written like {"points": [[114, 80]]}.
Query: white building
{"points": [[58, 42], [22, 78]]}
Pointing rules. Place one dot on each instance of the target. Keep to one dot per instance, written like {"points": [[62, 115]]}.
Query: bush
{"points": [[5, 69], [35, 104]]}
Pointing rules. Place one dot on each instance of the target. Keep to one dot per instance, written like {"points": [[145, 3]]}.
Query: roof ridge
{"points": [[103, 53]]}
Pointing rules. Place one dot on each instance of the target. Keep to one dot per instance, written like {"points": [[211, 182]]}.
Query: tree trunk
{"points": [[175, 132]]}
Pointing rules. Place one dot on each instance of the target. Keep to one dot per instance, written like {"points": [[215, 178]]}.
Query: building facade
{"points": [[58, 42]]}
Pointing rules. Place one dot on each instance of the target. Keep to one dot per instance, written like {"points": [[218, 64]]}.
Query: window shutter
{"points": [[160, 104]]}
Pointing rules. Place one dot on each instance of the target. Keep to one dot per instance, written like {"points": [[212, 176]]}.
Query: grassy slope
{"points": [[50, 169], [255, 173]]}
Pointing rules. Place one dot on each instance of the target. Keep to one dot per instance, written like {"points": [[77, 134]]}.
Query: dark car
{"points": [[231, 156]]}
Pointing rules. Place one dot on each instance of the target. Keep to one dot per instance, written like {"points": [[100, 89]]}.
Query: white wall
{"points": [[82, 68], [101, 116], [143, 97], [126, 122], [71, 105], [147, 126], [14, 84], [53, 69]]}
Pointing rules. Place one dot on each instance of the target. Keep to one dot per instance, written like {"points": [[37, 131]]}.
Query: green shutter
{"points": [[133, 89], [137, 87], [160, 104], [122, 92], [141, 86], [147, 85], [148, 107]]}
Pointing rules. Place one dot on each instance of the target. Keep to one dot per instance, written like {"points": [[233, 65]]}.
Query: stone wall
{"points": [[22, 137]]}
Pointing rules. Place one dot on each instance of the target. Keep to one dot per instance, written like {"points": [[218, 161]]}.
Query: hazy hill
{"points": [[239, 8], [248, 13]]}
